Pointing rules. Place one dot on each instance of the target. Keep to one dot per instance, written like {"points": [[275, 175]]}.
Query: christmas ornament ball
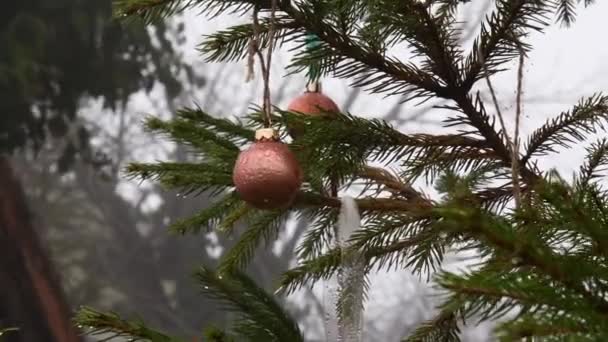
{"points": [[313, 103], [267, 175], [310, 103]]}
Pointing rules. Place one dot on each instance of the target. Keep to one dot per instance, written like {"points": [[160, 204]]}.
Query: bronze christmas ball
{"points": [[267, 174], [310, 103]]}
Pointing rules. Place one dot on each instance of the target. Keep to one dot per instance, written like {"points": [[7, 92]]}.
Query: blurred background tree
{"points": [[56, 58]]}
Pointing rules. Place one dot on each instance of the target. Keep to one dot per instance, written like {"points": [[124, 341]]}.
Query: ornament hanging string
{"points": [[254, 49]]}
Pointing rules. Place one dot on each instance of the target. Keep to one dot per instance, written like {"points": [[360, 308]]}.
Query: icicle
{"points": [[351, 276], [330, 301], [343, 295]]}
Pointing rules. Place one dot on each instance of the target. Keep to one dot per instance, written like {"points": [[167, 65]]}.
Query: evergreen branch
{"points": [[207, 217], [566, 11], [203, 139], [477, 117], [529, 250], [571, 126], [597, 157], [320, 234], [257, 310], [534, 325], [492, 293], [444, 327], [500, 37], [190, 178], [347, 58], [319, 268], [232, 44], [326, 265], [261, 226], [346, 143], [99, 323], [235, 131], [154, 10], [307, 200], [240, 211], [446, 9], [452, 160], [149, 10], [214, 334], [392, 182], [579, 214], [427, 35]]}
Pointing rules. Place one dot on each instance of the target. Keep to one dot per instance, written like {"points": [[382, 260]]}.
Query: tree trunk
{"points": [[31, 298]]}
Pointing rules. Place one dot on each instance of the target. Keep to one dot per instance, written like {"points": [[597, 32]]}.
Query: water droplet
{"points": [[516, 260]]}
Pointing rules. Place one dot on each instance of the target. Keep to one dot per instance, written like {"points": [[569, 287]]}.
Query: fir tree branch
{"points": [[189, 178], [99, 323], [307, 200], [213, 334], [440, 161], [500, 37], [478, 118], [535, 325], [207, 217], [529, 250], [261, 226], [392, 182], [326, 265], [320, 233], [185, 132], [492, 293], [235, 131], [260, 315], [350, 58], [154, 10], [232, 44], [585, 118], [577, 214], [566, 11], [444, 327], [412, 21], [597, 157]]}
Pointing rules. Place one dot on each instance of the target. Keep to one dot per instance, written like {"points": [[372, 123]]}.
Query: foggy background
{"points": [[83, 84]]}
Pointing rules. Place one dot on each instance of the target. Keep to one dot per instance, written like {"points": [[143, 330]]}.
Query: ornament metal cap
{"points": [[313, 87], [266, 134]]}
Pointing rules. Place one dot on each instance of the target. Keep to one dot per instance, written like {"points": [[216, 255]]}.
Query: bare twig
{"points": [[515, 149], [513, 144]]}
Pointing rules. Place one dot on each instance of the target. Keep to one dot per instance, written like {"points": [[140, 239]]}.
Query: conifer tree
{"points": [[542, 241]]}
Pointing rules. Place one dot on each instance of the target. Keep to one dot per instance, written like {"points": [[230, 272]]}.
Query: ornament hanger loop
{"points": [[265, 63]]}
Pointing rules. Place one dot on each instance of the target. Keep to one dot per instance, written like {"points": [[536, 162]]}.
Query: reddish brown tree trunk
{"points": [[30, 295]]}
